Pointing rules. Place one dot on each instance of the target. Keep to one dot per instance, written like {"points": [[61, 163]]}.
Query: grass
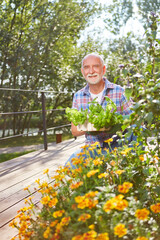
{"points": [[25, 141], [8, 156], [31, 140]]}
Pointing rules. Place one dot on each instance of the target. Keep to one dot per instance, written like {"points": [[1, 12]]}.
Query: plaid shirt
{"points": [[114, 92]]}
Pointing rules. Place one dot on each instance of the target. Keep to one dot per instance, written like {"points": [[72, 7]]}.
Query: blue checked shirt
{"points": [[114, 92]]}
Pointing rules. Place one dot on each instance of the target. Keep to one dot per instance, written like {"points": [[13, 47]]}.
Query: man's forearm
{"points": [[75, 132]]}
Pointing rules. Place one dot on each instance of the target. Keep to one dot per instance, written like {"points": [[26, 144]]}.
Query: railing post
{"points": [[44, 121]]}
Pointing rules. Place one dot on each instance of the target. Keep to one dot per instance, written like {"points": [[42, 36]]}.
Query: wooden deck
{"points": [[18, 173]]}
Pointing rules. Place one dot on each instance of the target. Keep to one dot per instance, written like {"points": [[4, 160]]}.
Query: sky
{"points": [[99, 25]]}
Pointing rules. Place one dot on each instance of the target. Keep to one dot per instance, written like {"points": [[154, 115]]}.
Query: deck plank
{"points": [[18, 173]]}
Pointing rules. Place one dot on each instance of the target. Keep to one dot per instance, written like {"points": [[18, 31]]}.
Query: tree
{"points": [[37, 42]]}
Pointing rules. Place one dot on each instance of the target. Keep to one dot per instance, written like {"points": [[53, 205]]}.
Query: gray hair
{"points": [[95, 55]]}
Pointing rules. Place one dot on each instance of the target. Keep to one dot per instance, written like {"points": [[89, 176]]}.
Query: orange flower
{"points": [[119, 172], [97, 162], [142, 214], [84, 217], [112, 163], [92, 172], [121, 205], [45, 171], [125, 151], [46, 233], [155, 208], [27, 188], [76, 161], [142, 238], [102, 175], [120, 230], [92, 226], [76, 185], [102, 236], [91, 194], [109, 205], [52, 224], [52, 202], [124, 188], [109, 140], [91, 235], [141, 157], [57, 214], [45, 200], [65, 221]]}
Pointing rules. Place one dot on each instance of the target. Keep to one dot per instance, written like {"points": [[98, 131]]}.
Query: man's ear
{"points": [[104, 69]]}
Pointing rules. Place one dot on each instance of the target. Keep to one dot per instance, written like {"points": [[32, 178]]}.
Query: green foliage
{"points": [[38, 42], [99, 117]]}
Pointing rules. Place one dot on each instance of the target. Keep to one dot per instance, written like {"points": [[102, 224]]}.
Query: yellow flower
{"points": [[96, 144], [37, 181], [27, 188], [45, 171], [142, 214], [125, 151], [76, 185], [112, 163], [102, 175], [76, 161], [121, 204], [156, 157], [141, 157], [102, 236], [109, 140], [65, 221], [92, 226], [91, 194], [109, 205], [52, 224], [142, 238], [58, 177], [119, 172], [97, 162], [45, 200], [58, 213], [83, 217], [85, 146], [120, 230], [46, 233], [91, 235], [92, 172], [124, 188], [155, 208], [52, 202]]}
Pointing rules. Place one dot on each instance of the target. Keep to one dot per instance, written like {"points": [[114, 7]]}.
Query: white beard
{"points": [[93, 78]]}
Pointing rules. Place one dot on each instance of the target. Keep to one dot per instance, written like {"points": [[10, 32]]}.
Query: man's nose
{"points": [[91, 69]]}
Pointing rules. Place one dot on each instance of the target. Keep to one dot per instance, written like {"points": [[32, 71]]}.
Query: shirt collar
{"points": [[108, 85]]}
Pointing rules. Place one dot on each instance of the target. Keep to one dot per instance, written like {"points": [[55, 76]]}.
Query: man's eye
{"points": [[96, 66], [86, 67]]}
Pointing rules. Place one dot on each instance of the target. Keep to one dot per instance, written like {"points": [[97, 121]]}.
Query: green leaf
{"points": [[128, 92]]}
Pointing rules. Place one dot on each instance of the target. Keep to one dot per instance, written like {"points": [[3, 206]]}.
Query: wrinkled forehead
{"points": [[92, 59]]}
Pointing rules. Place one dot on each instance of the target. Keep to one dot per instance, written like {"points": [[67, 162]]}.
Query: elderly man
{"points": [[93, 70]]}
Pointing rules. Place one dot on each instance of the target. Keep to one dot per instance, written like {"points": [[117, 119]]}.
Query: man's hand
{"points": [[75, 132]]}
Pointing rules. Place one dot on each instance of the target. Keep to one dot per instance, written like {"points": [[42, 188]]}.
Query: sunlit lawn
{"points": [[8, 156], [31, 140]]}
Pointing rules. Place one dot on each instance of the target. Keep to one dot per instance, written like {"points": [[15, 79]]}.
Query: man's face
{"points": [[93, 70]]}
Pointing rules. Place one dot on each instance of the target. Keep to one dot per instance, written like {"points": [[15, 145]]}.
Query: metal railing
{"points": [[43, 111]]}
